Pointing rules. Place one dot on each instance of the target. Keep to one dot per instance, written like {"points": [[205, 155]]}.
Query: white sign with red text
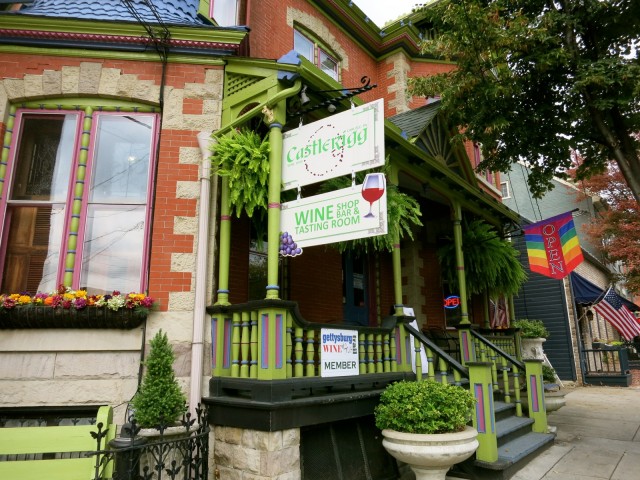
{"points": [[338, 352]]}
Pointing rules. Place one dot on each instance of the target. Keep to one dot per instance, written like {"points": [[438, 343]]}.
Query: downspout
{"points": [[199, 312]]}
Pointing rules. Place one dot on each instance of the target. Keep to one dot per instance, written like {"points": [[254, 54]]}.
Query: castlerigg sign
{"points": [[350, 141]]}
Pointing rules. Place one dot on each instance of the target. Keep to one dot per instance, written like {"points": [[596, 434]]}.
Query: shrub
{"points": [[424, 407], [160, 400], [548, 374], [531, 328]]}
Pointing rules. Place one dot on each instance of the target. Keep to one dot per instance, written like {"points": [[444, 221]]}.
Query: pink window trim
{"points": [[5, 217]]}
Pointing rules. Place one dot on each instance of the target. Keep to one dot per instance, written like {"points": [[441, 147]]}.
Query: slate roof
{"points": [[173, 12], [413, 122]]}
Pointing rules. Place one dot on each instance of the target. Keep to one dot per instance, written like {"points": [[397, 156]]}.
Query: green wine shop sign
{"points": [[354, 212], [347, 142]]}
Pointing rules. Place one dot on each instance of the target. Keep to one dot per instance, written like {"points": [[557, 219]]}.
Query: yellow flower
{"points": [[68, 296], [81, 294], [24, 299]]}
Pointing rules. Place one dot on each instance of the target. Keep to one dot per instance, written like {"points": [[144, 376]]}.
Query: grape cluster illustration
{"points": [[289, 248]]}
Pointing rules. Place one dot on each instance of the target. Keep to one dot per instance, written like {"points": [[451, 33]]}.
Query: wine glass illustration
{"points": [[372, 189]]}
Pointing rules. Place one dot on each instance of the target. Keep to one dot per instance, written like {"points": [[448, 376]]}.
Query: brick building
{"points": [[159, 73]]}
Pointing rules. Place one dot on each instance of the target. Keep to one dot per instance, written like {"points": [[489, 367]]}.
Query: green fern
{"points": [[491, 264], [243, 157]]}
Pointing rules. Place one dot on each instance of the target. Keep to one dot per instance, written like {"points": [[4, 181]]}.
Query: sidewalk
{"points": [[598, 437]]}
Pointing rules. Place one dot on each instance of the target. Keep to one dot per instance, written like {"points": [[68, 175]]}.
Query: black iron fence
{"points": [[177, 452]]}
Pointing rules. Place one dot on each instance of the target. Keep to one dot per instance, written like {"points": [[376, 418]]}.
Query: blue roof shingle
{"points": [[175, 12]]}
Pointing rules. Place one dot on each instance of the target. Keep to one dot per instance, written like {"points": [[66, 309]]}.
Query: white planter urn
{"points": [[532, 348], [430, 456]]}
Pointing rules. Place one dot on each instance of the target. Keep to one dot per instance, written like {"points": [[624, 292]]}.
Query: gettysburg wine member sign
{"points": [[338, 352]]}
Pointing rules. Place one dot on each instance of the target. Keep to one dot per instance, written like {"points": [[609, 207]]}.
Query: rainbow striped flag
{"points": [[552, 246]]}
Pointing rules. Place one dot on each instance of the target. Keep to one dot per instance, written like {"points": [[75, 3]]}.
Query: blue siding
{"points": [[543, 298]]}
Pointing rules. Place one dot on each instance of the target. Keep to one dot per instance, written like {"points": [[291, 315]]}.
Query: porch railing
{"points": [[269, 340], [607, 366]]}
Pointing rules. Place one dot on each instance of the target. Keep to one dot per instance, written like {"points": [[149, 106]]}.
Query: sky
{"points": [[381, 11]]}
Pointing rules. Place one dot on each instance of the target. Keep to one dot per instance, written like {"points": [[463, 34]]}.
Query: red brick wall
{"points": [[315, 282], [432, 290], [162, 281]]}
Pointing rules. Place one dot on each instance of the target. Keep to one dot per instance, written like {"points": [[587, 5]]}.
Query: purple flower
{"points": [[80, 303]]}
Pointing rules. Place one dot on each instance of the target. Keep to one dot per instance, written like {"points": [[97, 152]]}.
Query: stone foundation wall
{"points": [[240, 454]]}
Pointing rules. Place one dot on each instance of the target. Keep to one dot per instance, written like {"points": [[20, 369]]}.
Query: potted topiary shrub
{"points": [[533, 334], [424, 424], [159, 402]]}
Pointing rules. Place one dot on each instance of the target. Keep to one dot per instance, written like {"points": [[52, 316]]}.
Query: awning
{"points": [[586, 293]]}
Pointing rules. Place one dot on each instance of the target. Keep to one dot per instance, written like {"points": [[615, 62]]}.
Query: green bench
{"points": [[31, 444]]}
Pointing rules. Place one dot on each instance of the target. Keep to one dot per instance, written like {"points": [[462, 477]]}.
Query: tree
{"points": [[616, 232], [536, 79], [159, 400]]}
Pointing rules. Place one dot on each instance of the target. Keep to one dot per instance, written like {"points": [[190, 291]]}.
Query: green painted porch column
{"points": [[481, 385], [225, 244], [275, 118], [406, 349], [462, 282], [535, 394], [396, 257]]}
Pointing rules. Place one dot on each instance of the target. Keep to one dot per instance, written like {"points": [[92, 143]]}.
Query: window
{"points": [[504, 189], [74, 214], [224, 12], [485, 175], [316, 54]]}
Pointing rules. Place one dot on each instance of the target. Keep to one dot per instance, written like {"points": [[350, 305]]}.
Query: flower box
{"points": [[67, 308], [90, 317]]}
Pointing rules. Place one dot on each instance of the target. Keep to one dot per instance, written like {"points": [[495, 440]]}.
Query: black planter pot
{"points": [[89, 317]]}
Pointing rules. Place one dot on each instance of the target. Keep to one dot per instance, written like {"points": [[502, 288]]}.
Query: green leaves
{"points": [[535, 79], [490, 263], [243, 157], [424, 407], [160, 399], [531, 328]]}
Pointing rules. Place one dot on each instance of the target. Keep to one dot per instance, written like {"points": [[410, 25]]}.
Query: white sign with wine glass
{"points": [[354, 212]]}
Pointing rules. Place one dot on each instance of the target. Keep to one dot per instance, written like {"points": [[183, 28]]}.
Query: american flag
{"points": [[618, 315]]}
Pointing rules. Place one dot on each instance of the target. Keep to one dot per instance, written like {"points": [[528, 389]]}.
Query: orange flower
{"points": [[48, 301]]}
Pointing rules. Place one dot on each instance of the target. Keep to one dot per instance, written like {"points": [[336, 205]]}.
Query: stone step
{"points": [[511, 428], [512, 455]]}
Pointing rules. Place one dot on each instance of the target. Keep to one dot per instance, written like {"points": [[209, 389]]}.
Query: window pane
{"points": [[33, 249], [225, 12], [44, 158], [121, 161], [303, 46], [328, 65], [112, 256]]}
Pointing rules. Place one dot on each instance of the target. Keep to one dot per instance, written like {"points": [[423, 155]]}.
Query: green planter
{"points": [[89, 317]]}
